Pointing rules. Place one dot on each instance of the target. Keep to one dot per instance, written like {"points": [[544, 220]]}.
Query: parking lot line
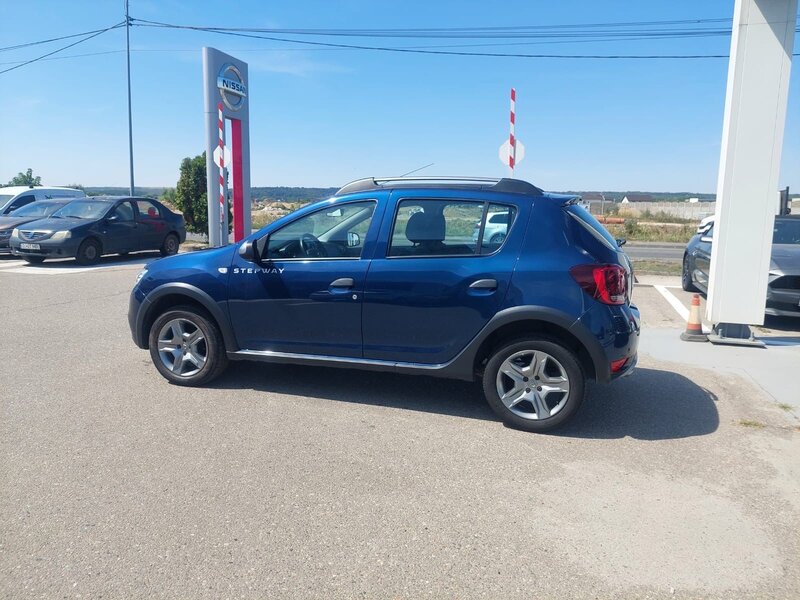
{"points": [[682, 311], [10, 264]]}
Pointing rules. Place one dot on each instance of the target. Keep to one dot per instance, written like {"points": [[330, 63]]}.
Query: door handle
{"points": [[484, 284], [343, 282]]}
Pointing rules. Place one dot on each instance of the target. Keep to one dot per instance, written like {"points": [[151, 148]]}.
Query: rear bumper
{"points": [[616, 330]]}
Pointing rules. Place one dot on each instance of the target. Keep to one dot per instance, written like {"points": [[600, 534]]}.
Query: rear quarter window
{"points": [[592, 226]]}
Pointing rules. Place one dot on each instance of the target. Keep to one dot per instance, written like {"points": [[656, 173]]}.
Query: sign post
{"points": [[226, 91], [512, 151]]}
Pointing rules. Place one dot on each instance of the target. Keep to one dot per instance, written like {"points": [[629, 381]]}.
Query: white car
{"points": [[495, 230], [16, 196]]}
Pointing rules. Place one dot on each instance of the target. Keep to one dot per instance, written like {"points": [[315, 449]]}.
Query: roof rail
{"points": [[504, 185]]}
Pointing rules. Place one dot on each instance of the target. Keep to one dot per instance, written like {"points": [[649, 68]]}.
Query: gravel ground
{"points": [[300, 482]]}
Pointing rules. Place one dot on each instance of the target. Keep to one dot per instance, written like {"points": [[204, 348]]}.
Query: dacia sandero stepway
{"points": [[390, 275]]}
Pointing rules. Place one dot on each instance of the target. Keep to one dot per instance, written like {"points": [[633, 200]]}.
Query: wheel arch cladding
{"points": [[558, 328], [178, 294]]}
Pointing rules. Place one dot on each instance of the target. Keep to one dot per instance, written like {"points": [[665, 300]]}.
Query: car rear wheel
{"points": [[534, 384], [88, 252], [34, 260], [170, 245], [187, 347], [497, 238], [686, 277]]}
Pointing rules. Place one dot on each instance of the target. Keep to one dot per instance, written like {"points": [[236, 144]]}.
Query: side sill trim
{"points": [[273, 356]]}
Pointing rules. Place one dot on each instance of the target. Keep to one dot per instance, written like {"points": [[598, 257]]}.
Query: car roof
{"points": [[18, 189], [504, 185], [114, 198]]}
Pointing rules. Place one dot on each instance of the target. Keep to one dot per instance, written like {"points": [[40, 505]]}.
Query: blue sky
{"points": [[324, 117]]}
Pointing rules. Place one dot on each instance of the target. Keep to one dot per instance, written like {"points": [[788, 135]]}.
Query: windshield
{"points": [[787, 231], [37, 209], [83, 209]]}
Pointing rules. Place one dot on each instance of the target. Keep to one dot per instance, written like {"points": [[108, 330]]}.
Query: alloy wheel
{"points": [[532, 384], [182, 347]]}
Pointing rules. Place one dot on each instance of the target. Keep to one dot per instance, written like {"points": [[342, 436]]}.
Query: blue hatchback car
{"points": [[388, 275]]}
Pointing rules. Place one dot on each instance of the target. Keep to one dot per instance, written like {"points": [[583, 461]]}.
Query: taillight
{"points": [[604, 283]]}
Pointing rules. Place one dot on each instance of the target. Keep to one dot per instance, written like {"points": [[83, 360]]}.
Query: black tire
{"points": [[686, 278], [89, 252], [568, 401], [34, 260], [497, 238], [215, 357], [170, 245]]}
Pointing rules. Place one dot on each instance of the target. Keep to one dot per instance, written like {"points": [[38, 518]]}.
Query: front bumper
{"points": [[783, 302], [48, 248]]}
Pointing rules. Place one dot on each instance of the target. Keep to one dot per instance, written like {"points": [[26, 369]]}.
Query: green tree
{"points": [[26, 178], [190, 193]]}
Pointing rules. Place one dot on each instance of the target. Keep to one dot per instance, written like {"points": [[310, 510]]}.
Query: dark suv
{"points": [[387, 275]]}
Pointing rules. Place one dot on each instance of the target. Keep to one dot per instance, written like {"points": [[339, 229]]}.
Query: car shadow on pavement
{"points": [[649, 405]]}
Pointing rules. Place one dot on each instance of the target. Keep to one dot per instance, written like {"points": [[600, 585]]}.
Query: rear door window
{"points": [[449, 227], [147, 210]]}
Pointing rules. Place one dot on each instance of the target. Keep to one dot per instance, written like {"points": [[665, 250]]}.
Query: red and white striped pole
{"points": [[223, 239], [512, 142]]}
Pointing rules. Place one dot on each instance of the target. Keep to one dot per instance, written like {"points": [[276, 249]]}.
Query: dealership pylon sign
{"points": [[226, 98]]}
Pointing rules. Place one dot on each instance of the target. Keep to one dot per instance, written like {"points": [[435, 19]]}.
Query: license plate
{"points": [[24, 246]]}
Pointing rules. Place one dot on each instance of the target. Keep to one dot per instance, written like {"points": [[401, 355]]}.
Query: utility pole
{"points": [[130, 119]]}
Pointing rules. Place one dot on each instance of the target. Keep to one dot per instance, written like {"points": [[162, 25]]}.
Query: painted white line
{"points": [[682, 311], [11, 264]]}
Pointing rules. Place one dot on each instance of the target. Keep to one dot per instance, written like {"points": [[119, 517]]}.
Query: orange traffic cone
{"points": [[694, 327]]}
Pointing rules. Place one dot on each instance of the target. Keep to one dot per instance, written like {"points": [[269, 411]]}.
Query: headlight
{"points": [[15, 233], [139, 277], [61, 235]]}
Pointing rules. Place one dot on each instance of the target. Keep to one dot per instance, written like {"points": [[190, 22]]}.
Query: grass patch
{"points": [[749, 423], [633, 231], [656, 267]]}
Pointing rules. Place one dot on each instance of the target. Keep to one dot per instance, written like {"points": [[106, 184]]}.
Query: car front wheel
{"points": [[534, 384], [88, 252], [187, 347]]}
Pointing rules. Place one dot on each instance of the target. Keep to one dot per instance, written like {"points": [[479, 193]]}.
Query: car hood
{"points": [[786, 258], [12, 222], [210, 259], [60, 224]]}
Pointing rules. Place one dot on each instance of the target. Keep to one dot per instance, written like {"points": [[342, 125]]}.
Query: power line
{"points": [[43, 56], [55, 39], [220, 31]]}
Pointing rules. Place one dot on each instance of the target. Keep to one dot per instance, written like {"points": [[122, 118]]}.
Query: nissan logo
{"points": [[231, 86]]}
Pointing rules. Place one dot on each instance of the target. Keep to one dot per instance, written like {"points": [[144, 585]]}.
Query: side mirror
{"points": [[353, 239], [248, 251], [112, 218], [621, 242]]}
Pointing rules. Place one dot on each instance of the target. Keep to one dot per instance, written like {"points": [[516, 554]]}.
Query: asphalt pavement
{"points": [[303, 482], [655, 250]]}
